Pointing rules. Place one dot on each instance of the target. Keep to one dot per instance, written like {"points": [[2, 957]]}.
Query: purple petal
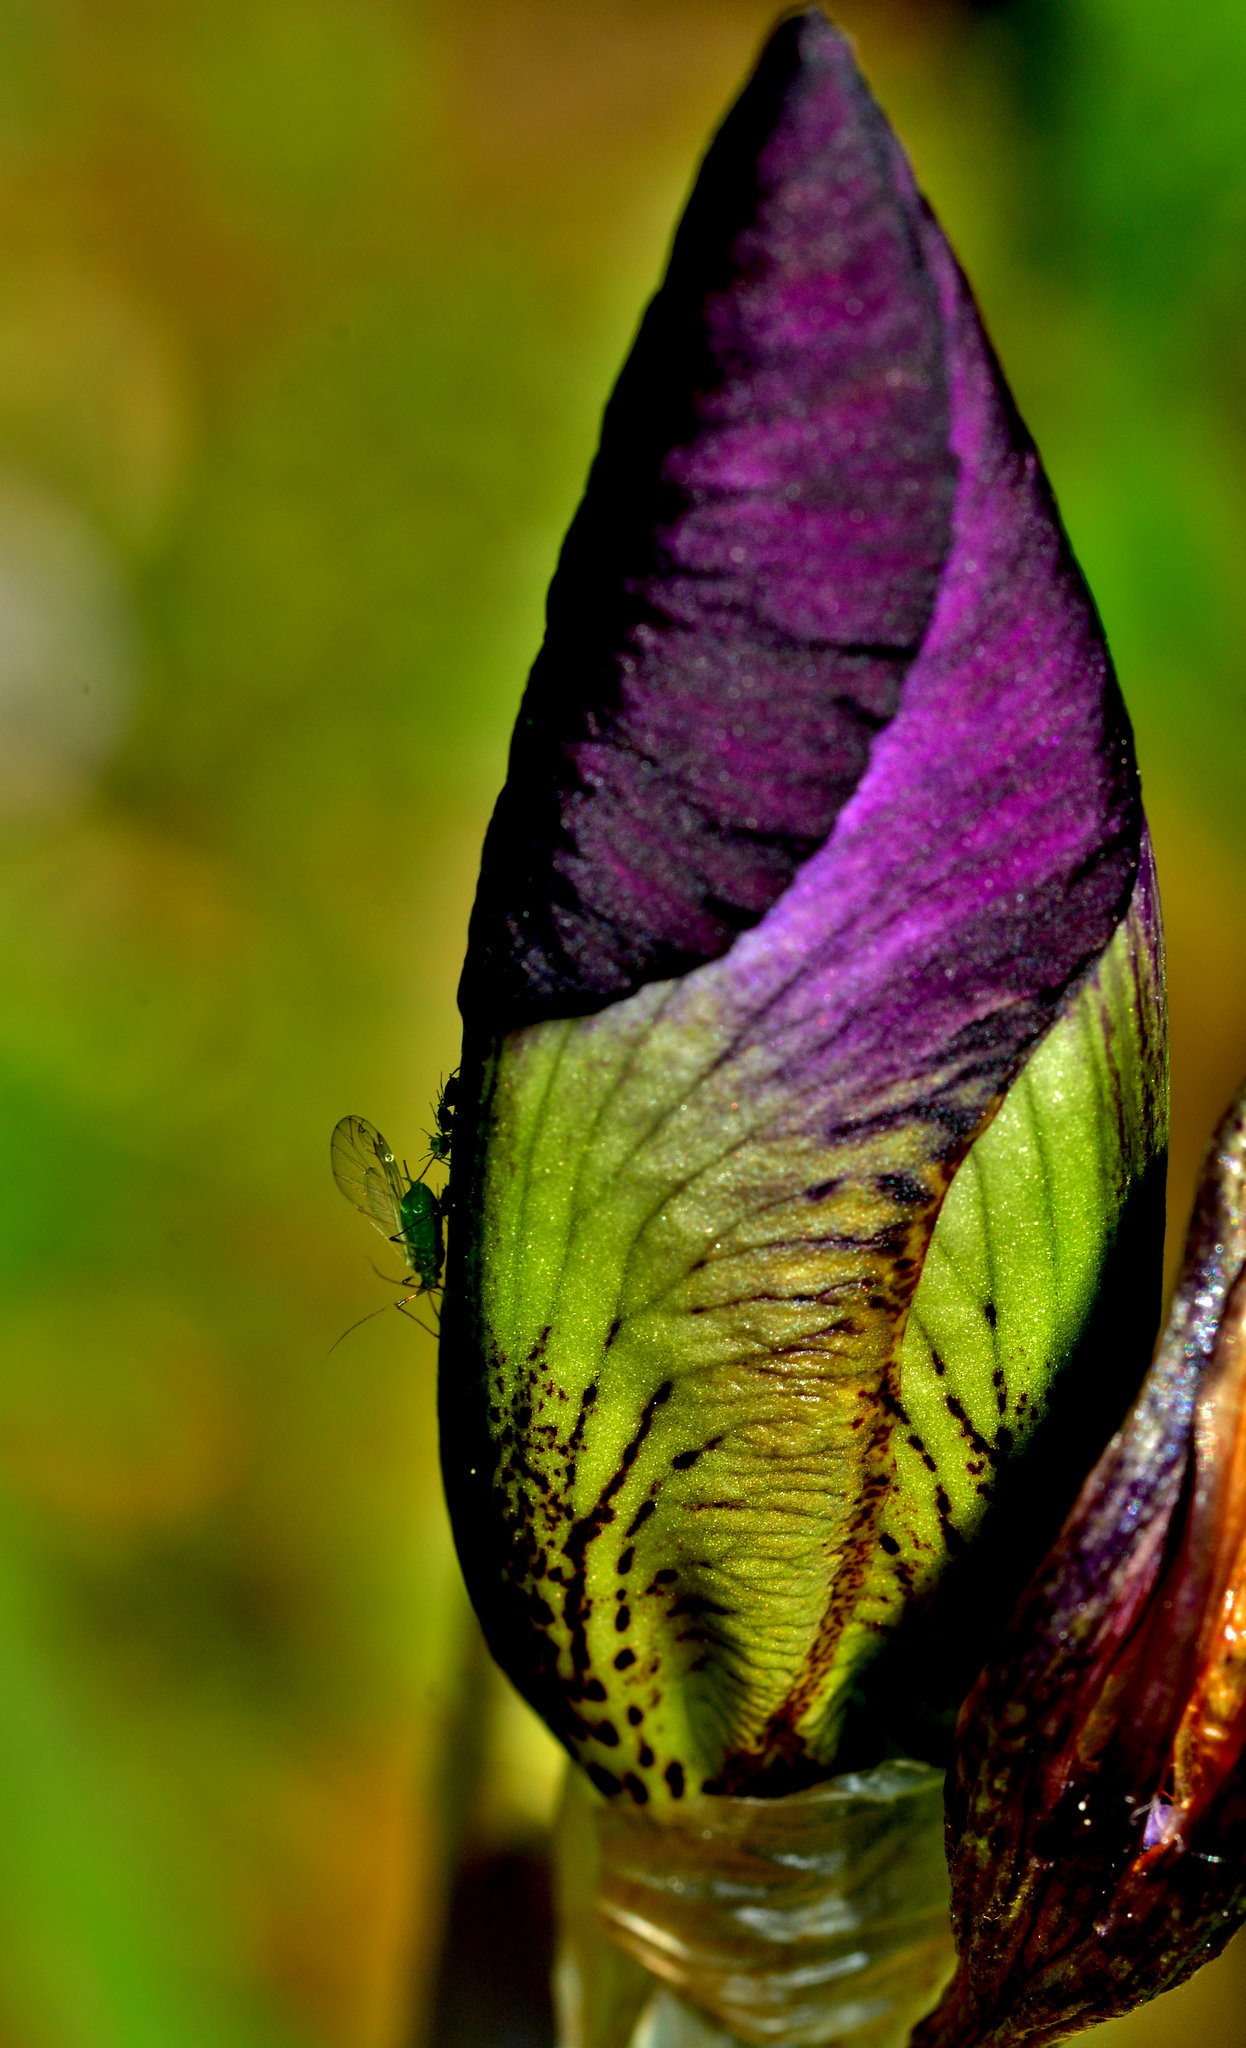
{"points": [[1096, 1806], [677, 1415], [770, 988], [817, 555]]}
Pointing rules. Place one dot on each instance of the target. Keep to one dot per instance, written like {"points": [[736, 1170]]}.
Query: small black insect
{"points": [[441, 1136]]}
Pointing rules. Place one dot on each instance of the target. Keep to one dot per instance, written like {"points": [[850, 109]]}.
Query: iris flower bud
{"points": [[813, 1093], [1097, 1808]]}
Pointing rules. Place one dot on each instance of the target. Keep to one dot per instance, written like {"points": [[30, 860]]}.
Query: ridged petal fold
{"points": [[821, 829]]}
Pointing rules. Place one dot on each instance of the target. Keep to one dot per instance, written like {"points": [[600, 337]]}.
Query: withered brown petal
{"points": [[1096, 1812]]}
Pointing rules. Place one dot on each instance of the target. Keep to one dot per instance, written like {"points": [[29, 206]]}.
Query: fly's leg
{"points": [[403, 1281], [402, 1306]]}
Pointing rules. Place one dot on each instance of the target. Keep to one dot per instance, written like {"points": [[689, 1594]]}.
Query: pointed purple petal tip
{"points": [[817, 561], [821, 803]]}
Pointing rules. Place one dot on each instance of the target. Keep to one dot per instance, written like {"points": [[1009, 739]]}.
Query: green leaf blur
{"points": [[306, 312]]}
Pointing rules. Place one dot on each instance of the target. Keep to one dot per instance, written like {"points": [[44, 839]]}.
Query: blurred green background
{"points": [[307, 312]]}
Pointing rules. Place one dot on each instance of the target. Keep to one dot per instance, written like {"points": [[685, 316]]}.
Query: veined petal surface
{"points": [[813, 504], [706, 1466], [698, 1163]]}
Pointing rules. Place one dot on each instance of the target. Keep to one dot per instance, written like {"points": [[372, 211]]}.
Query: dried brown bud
{"points": [[1096, 1808]]}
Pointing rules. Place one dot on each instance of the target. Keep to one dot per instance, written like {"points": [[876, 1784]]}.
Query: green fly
{"points": [[405, 1211]]}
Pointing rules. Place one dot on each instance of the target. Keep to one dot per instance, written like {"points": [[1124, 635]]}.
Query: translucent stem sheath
{"points": [[796, 1922]]}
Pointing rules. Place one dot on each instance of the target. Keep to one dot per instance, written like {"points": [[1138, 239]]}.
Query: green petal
{"points": [[695, 1478], [1030, 1328], [1017, 1254]]}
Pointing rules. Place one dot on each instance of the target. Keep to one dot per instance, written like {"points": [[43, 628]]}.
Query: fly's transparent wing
{"points": [[368, 1174]]}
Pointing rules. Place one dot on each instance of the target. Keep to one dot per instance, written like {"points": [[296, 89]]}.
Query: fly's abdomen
{"points": [[422, 1238]]}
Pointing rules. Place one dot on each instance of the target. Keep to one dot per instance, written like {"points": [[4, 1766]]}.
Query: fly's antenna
{"points": [[382, 1310], [359, 1325]]}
